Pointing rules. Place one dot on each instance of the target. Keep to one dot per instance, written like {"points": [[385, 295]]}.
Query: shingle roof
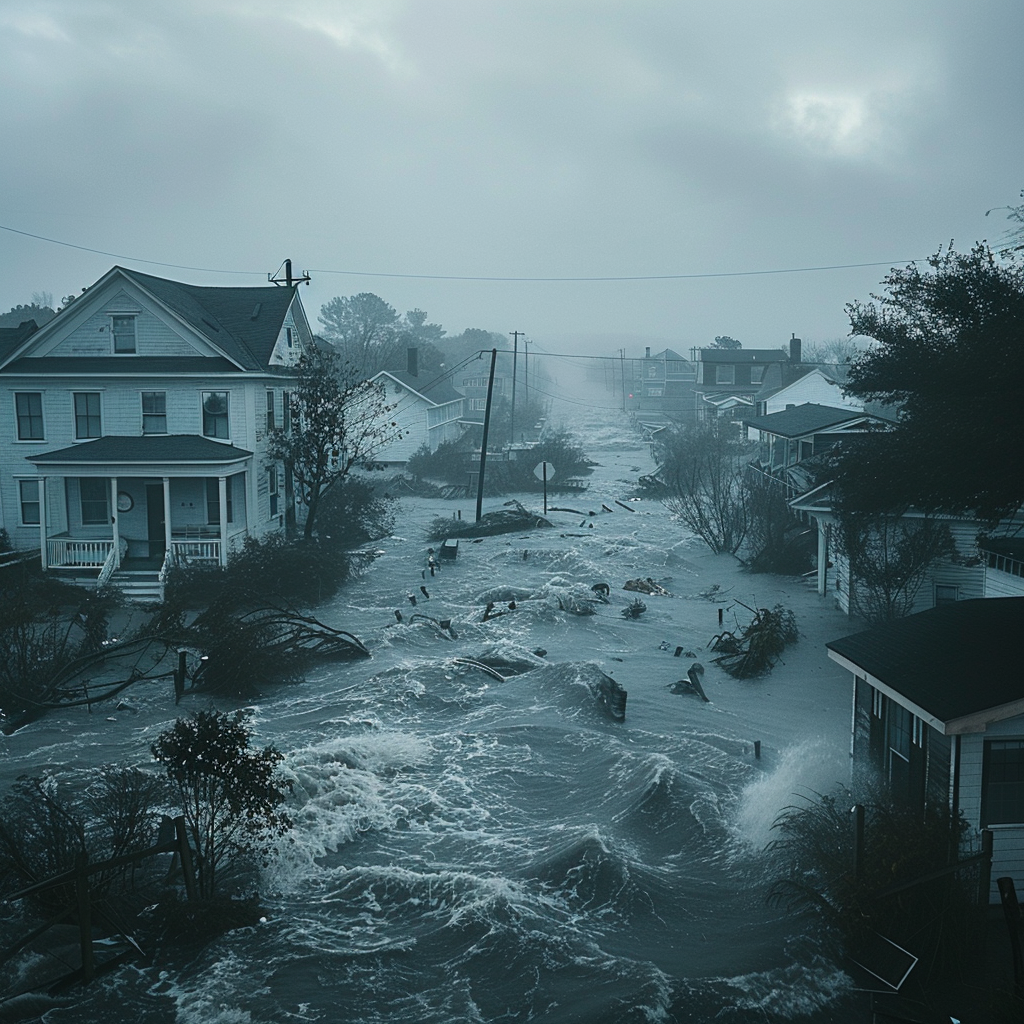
{"points": [[244, 322], [803, 419], [12, 337], [952, 661], [108, 365], [151, 448], [438, 389]]}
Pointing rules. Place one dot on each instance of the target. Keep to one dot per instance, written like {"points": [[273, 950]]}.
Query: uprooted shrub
{"points": [[755, 648]]}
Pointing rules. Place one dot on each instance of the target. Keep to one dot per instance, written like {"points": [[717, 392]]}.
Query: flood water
{"points": [[474, 849]]}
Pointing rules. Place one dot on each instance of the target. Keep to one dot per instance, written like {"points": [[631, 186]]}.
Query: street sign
{"points": [[544, 471]]}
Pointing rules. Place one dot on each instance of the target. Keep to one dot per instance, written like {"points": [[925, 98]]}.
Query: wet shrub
{"points": [[814, 871], [754, 649]]}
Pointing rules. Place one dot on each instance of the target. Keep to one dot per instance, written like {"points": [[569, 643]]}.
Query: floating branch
{"points": [[755, 649]]}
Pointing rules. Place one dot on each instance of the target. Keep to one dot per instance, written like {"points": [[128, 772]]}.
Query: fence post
{"points": [[857, 810], [185, 853], [985, 872], [1011, 911], [84, 914]]}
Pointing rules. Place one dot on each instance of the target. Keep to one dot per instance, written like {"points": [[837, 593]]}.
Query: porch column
{"points": [[222, 495], [822, 556], [113, 521], [42, 522], [167, 516]]}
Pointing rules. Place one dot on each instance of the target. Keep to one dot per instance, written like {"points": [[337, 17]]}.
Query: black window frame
{"points": [[88, 422], [25, 502], [153, 415], [26, 419], [212, 421], [94, 501]]}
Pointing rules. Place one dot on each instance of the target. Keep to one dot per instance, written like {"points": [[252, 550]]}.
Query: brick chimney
{"points": [[414, 362], [794, 349], [647, 352]]}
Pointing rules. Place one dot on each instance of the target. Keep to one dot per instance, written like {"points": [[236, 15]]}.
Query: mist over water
{"points": [[474, 849]]}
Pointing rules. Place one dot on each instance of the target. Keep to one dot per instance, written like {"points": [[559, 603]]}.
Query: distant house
{"points": [[660, 383], [427, 410], [134, 425], [729, 380], [816, 386], [938, 714]]}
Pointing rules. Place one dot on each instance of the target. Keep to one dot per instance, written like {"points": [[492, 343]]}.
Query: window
{"points": [[215, 414], [1002, 782], [288, 335], [94, 493], [478, 403], [725, 374], [28, 492], [213, 502], [87, 415], [29, 408], [122, 328], [286, 410], [652, 371], [154, 412], [270, 411], [272, 481], [756, 374], [946, 593]]}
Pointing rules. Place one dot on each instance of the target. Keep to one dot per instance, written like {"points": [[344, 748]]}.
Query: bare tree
{"points": [[366, 330], [338, 420], [889, 559], [701, 466]]}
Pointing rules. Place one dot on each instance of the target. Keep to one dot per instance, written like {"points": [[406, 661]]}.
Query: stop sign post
{"points": [[542, 471]]}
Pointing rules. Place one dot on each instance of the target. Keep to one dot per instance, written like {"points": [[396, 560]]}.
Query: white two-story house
{"points": [[134, 425]]}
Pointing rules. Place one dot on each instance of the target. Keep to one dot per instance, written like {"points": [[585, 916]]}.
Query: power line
{"points": [[467, 277]]}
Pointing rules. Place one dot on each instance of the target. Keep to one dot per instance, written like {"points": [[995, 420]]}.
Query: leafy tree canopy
{"points": [[950, 354], [16, 316], [724, 341]]}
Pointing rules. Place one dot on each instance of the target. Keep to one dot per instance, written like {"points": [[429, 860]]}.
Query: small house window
{"points": [[272, 481], [288, 335], [215, 414], [213, 502], [725, 374], [87, 415], [28, 492], [756, 374], [1002, 783], [154, 412], [946, 593], [122, 328], [270, 411], [94, 493]]}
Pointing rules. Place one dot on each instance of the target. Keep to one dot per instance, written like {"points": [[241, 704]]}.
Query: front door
{"points": [[155, 520]]}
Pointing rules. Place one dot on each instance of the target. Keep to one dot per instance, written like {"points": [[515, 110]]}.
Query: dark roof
{"points": [[438, 389], [151, 448], [106, 365], [744, 355], [244, 322], [952, 661], [12, 337], [803, 419]]}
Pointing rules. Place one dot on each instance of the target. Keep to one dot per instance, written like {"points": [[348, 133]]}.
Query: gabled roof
{"points": [[144, 449], [436, 390], [669, 354], [243, 323], [808, 418], [957, 666]]}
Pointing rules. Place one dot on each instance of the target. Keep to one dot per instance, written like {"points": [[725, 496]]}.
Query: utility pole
{"points": [[622, 359], [483, 446], [288, 280], [515, 355]]}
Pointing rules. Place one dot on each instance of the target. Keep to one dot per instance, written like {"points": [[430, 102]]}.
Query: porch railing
{"points": [[65, 552], [108, 567], [191, 551]]}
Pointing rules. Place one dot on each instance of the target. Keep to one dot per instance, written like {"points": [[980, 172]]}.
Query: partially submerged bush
{"points": [[755, 648]]}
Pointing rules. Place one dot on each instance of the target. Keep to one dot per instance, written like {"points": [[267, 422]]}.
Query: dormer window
{"points": [[725, 374], [756, 374], [122, 329]]}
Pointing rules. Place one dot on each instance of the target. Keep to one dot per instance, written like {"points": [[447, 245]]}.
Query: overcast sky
{"points": [[512, 139]]}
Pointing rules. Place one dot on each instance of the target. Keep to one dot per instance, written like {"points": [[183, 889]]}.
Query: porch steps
{"points": [[142, 586]]}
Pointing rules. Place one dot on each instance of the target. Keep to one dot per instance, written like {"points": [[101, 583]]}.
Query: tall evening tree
{"points": [[338, 420], [951, 354]]}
